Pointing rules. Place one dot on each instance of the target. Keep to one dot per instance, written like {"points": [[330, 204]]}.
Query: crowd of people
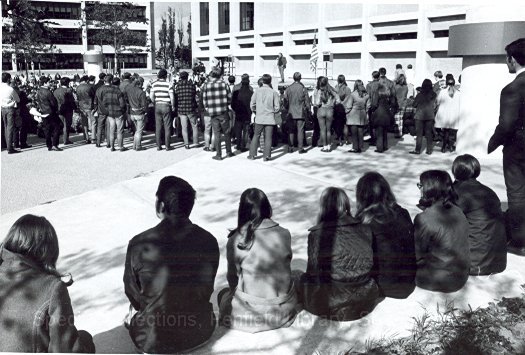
{"points": [[102, 110], [357, 256]]}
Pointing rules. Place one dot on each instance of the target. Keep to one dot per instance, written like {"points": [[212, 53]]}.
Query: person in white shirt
{"points": [[8, 100]]}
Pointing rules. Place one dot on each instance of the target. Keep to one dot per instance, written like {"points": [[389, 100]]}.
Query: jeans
{"points": [[8, 119], [101, 125], [357, 137], [138, 121], [514, 174], [241, 133], [268, 131], [424, 128], [116, 123], [162, 120], [382, 138], [67, 121], [51, 127], [209, 135], [221, 123], [184, 126], [281, 72], [325, 116], [300, 133]]}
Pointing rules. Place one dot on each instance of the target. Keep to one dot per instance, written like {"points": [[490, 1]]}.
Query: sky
{"points": [[161, 8]]}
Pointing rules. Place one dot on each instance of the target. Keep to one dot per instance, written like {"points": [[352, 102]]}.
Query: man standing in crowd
{"points": [[101, 111], [510, 133], [115, 104], [9, 100], [281, 64], [138, 106], [169, 276], [216, 98], [48, 107], [372, 89], [241, 105], [124, 86], [85, 99], [100, 82], [297, 102], [161, 95], [439, 83], [389, 84], [185, 108]]}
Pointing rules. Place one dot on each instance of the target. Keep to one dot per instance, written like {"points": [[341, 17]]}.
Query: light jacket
{"points": [[265, 102]]}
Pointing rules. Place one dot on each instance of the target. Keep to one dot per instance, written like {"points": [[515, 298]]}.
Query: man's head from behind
{"points": [[108, 79], [6, 78], [516, 55], [183, 75], [297, 76], [175, 198], [382, 71], [162, 74], [215, 73]]}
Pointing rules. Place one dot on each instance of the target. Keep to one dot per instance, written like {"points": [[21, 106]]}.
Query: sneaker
{"points": [[123, 149], [302, 151], [112, 149], [56, 149], [206, 149], [187, 146], [230, 155], [13, 151], [414, 152], [217, 157], [159, 148]]}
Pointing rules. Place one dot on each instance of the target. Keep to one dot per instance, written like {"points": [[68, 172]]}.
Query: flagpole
{"points": [[315, 70]]}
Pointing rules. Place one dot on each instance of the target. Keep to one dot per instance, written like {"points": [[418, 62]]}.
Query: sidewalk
{"points": [[95, 226]]}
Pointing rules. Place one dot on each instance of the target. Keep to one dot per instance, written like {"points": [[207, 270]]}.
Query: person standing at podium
{"points": [[281, 64]]}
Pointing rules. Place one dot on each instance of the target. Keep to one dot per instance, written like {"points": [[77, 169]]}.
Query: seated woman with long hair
{"points": [[337, 284], [35, 310], [393, 236], [261, 294], [482, 207], [441, 234]]}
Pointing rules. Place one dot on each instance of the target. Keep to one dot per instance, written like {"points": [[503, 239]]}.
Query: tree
{"points": [[162, 53], [110, 24], [188, 30], [26, 34], [171, 36]]}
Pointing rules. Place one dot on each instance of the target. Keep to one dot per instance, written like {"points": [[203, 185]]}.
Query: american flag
{"points": [[314, 55]]}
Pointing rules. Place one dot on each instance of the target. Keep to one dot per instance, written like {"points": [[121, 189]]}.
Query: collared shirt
{"points": [[161, 92], [520, 71], [85, 96], [185, 97], [265, 102], [8, 96], [216, 97]]}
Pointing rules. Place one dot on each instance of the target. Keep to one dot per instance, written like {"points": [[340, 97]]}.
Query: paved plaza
{"points": [[98, 200]]}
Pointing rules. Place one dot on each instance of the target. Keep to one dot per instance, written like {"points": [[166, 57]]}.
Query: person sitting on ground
{"points": [[482, 207], [337, 284], [259, 297], [393, 236], [36, 313], [441, 235], [169, 275]]}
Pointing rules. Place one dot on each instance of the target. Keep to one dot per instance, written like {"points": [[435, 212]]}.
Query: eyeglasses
{"points": [[419, 186]]}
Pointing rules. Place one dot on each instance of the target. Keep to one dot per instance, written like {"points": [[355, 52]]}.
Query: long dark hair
{"points": [[334, 204], [427, 89], [375, 200], [327, 91], [35, 238], [254, 207], [436, 186]]}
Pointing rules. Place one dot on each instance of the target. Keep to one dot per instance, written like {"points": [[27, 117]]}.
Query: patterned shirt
{"points": [[110, 101], [161, 92], [216, 97], [185, 97]]}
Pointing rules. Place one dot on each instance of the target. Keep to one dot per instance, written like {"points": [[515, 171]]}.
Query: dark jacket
{"points": [[425, 105], [85, 96], [487, 238], [394, 254], [65, 100], [510, 130], [35, 310], [137, 99], [169, 275], [442, 249], [337, 282], [382, 115], [241, 103], [46, 102], [109, 101]]}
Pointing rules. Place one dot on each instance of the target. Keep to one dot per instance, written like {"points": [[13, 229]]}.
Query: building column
{"points": [[481, 42], [287, 41], [235, 27], [323, 42], [366, 38], [257, 40], [150, 16], [422, 68], [214, 30]]}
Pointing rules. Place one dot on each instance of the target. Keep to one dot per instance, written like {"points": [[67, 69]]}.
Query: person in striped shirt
{"points": [[216, 99], [162, 96]]}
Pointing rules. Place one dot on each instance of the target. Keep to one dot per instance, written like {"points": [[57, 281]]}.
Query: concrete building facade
{"points": [[72, 38], [355, 38]]}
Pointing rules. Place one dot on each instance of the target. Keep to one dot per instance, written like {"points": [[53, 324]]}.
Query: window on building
{"points": [[6, 62], [246, 45], [440, 34], [247, 14], [140, 38], [302, 42], [346, 39], [60, 61], [67, 36], [126, 61], [224, 47], [273, 44], [396, 36], [205, 18], [224, 17], [58, 10]]}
